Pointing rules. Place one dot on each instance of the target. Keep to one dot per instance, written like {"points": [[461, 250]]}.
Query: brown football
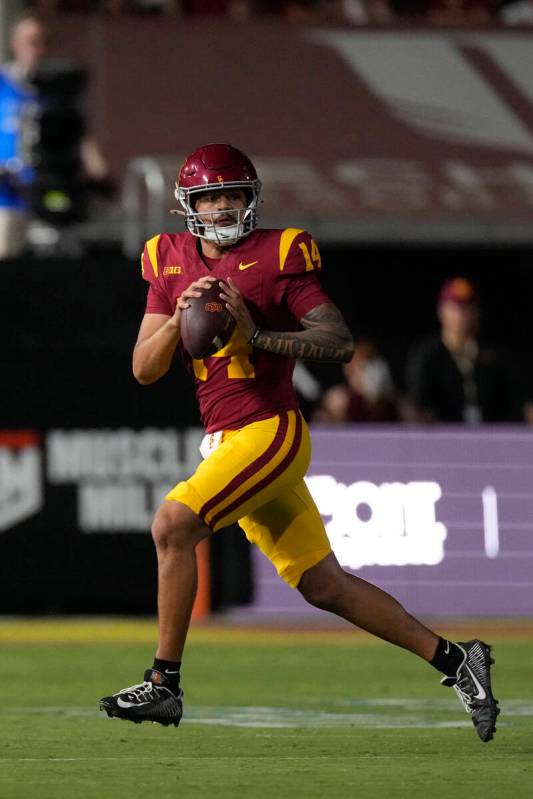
{"points": [[206, 325]]}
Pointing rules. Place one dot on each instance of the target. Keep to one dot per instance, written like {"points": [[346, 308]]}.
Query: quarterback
{"points": [[257, 447]]}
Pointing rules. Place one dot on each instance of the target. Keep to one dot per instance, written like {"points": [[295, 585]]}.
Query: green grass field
{"points": [[267, 714]]}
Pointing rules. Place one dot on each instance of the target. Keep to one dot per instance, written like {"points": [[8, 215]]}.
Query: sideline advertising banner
{"points": [[76, 508], [442, 519]]}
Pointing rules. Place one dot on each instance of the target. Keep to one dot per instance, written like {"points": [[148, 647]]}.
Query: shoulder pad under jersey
{"points": [[298, 252], [150, 266]]}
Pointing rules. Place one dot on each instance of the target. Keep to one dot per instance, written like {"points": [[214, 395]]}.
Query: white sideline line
{"points": [[370, 714], [271, 718]]}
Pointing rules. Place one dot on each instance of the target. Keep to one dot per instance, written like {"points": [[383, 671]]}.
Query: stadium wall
{"points": [[376, 135]]}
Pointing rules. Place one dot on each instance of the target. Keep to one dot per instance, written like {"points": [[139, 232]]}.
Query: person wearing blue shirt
{"points": [[20, 106], [18, 101]]}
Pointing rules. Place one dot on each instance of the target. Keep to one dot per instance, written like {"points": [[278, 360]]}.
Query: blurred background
{"points": [[400, 134]]}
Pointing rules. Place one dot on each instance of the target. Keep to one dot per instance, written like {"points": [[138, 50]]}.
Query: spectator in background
{"points": [[515, 12], [236, 10], [367, 12], [460, 13], [368, 393], [18, 98], [451, 377], [169, 7], [248, 10], [303, 12], [444, 13]]}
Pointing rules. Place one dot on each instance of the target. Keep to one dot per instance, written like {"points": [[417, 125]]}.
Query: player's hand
{"points": [[191, 291], [194, 291], [235, 304]]}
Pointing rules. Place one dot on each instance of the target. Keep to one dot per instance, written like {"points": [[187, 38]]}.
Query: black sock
{"points": [[171, 670], [447, 658]]}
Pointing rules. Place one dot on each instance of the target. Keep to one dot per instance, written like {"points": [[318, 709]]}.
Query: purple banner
{"points": [[441, 519]]}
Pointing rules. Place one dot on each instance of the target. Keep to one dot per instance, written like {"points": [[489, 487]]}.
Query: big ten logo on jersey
{"points": [[172, 270], [21, 481], [391, 524], [237, 351]]}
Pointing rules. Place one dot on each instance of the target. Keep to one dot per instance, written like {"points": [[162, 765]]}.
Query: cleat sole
{"points": [[113, 715]]}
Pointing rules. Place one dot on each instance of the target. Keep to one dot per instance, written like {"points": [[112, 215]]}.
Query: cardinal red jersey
{"points": [[276, 272]]}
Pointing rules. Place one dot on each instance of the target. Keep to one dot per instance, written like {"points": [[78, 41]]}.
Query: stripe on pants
{"points": [[268, 479], [250, 470]]}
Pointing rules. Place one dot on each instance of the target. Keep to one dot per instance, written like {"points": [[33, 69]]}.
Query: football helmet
{"points": [[214, 167]]}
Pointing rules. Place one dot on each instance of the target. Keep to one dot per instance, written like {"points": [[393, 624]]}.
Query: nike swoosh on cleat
{"points": [[247, 266], [481, 694], [171, 672], [124, 704]]}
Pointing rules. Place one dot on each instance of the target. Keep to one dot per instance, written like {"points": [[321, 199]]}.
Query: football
{"points": [[206, 325]]}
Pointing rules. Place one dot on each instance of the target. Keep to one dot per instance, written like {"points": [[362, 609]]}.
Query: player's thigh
{"points": [[290, 532], [249, 469]]}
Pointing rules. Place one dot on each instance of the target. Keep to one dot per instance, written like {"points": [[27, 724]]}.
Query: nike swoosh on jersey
{"points": [[480, 690], [124, 703], [247, 266]]}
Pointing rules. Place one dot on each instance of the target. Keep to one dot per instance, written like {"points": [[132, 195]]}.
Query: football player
{"points": [[257, 445]]}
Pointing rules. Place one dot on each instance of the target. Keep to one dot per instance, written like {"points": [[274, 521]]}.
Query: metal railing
{"points": [[146, 201]]}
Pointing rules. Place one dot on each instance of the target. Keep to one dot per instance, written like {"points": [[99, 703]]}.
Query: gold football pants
{"points": [[255, 477]]}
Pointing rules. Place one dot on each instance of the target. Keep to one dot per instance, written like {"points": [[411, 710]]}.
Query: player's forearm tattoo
{"points": [[325, 338]]}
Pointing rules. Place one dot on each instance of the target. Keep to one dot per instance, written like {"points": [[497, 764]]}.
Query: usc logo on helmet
{"points": [[220, 179]]}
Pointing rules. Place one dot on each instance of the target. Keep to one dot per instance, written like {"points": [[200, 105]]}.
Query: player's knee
{"points": [[176, 526], [321, 585], [320, 594]]}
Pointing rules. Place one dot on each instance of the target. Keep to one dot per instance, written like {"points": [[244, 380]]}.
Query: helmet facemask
{"points": [[223, 235]]}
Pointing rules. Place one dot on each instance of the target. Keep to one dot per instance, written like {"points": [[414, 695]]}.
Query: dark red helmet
{"points": [[212, 167]]}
